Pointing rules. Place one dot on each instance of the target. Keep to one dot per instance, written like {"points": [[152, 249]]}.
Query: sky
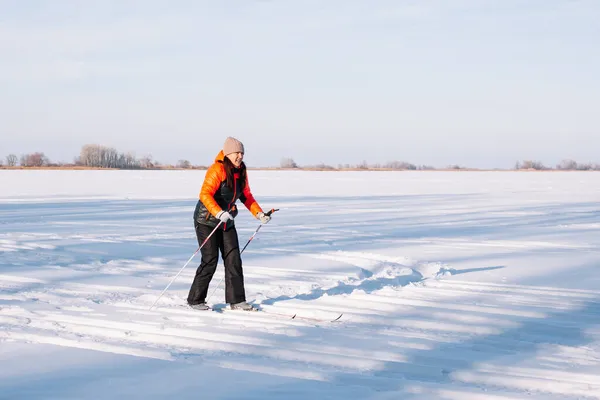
{"points": [[469, 82]]}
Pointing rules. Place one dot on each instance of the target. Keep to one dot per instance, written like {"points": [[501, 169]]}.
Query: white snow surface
{"points": [[452, 285]]}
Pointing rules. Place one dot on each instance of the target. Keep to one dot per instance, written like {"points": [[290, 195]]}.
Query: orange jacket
{"points": [[215, 176]]}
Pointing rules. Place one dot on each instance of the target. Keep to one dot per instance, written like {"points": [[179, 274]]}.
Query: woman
{"points": [[224, 183]]}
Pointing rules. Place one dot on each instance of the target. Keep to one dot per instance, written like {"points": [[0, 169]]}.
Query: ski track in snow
{"points": [[403, 326], [424, 329], [400, 322]]}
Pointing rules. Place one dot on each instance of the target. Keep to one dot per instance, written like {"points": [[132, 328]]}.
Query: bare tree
{"points": [[34, 160], [567, 165], [90, 156], [128, 161], [529, 164], [41, 159], [111, 157], [401, 165], [11, 160], [184, 164], [146, 162], [585, 167], [93, 155], [363, 165]]}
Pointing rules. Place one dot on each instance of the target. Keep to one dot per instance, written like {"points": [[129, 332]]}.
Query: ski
{"points": [[303, 317], [284, 315]]}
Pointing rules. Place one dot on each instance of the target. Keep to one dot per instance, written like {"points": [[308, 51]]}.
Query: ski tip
{"points": [[294, 316], [338, 318]]}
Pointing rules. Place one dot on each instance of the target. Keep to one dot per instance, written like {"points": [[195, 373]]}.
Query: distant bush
{"points": [[288, 163], [322, 166], [400, 165], [584, 167], [184, 164], [146, 162], [531, 165], [363, 165], [567, 165]]}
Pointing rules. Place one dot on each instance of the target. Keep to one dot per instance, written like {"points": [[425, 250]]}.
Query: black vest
{"points": [[225, 198]]}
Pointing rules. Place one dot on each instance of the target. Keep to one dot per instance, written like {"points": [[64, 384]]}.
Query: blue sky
{"points": [[477, 83]]}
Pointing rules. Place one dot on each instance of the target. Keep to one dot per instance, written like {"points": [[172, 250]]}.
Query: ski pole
{"points": [[271, 211], [257, 229], [185, 265]]}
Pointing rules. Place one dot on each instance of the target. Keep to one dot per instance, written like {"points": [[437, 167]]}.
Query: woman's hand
{"points": [[224, 216], [264, 218]]}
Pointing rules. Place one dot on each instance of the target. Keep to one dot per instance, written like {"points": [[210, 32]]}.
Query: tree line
{"points": [[531, 165], [98, 156], [95, 156], [564, 165]]}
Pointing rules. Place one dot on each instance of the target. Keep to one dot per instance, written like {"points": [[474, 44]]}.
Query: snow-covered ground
{"points": [[452, 285]]}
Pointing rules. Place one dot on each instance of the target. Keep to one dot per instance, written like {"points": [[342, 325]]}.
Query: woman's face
{"points": [[236, 158]]}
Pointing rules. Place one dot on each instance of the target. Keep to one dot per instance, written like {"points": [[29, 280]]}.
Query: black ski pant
{"points": [[225, 241]]}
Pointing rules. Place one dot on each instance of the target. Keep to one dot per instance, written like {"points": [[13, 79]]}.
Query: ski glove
{"points": [[224, 216], [264, 218]]}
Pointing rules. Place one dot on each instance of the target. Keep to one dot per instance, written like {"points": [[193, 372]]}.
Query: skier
{"points": [[225, 182]]}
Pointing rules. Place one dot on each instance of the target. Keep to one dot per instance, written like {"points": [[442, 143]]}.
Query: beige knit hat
{"points": [[232, 145]]}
